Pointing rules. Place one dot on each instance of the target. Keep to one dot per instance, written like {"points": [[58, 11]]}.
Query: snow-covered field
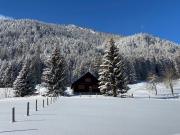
{"points": [[95, 115], [92, 116], [143, 90]]}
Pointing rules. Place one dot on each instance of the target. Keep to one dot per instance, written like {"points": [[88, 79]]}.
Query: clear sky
{"points": [[126, 17]]}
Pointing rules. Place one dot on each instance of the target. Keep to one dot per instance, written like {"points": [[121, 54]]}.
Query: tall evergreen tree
{"points": [[104, 77], [130, 71], [3, 67], [36, 66], [54, 75], [24, 84], [112, 73], [8, 77], [120, 75]]}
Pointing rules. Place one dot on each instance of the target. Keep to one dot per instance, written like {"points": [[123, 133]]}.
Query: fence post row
{"points": [[53, 99]]}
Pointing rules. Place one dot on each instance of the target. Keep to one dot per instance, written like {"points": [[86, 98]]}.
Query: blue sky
{"points": [[126, 17]]}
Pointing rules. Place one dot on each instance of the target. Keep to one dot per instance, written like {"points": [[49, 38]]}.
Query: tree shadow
{"points": [[20, 130]]}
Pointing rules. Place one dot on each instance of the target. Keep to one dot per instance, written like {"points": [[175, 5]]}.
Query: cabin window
{"points": [[88, 80], [81, 87]]}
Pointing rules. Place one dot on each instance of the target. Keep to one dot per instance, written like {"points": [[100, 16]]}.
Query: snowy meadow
{"points": [[94, 115]]}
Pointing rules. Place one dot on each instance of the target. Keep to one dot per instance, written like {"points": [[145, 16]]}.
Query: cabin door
{"points": [[90, 89]]}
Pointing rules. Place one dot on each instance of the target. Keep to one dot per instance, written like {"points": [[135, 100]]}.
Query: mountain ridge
{"points": [[88, 29], [83, 48]]}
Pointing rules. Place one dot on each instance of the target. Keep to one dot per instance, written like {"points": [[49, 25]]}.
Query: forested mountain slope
{"points": [[81, 47]]}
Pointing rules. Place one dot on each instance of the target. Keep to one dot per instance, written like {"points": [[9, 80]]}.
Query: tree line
{"points": [[82, 49], [54, 76], [114, 74]]}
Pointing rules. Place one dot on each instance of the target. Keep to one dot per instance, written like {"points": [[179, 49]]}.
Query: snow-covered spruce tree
{"points": [[10, 74], [3, 67], [37, 66], [120, 74], [130, 71], [104, 76], [112, 73], [24, 84], [54, 75]]}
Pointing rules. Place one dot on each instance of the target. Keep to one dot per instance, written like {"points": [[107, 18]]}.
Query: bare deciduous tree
{"points": [[153, 80], [168, 79]]}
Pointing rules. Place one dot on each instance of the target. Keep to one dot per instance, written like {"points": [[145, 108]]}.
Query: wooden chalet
{"points": [[87, 84]]}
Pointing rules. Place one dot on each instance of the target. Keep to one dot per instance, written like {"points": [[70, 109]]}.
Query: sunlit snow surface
{"points": [[93, 115], [143, 90]]}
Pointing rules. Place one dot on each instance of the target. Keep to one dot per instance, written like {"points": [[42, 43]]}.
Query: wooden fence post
{"points": [[43, 103], [13, 114], [27, 108], [47, 101], [36, 105]]}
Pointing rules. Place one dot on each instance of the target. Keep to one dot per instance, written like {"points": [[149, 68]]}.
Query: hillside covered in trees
{"points": [[82, 48]]}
